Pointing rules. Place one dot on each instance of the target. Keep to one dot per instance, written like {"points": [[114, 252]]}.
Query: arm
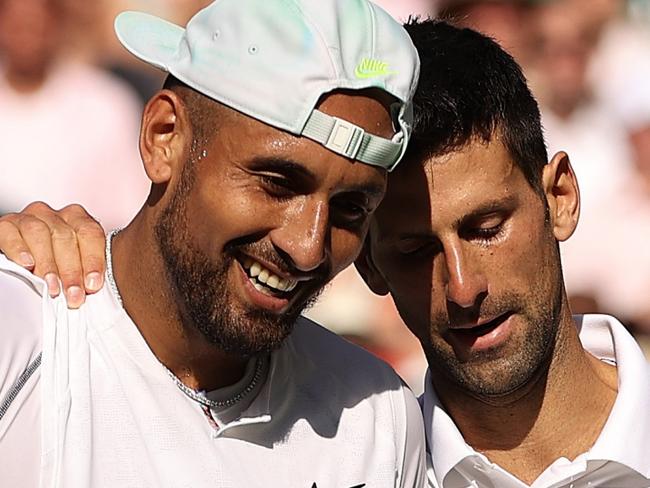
{"points": [[65, 245]]}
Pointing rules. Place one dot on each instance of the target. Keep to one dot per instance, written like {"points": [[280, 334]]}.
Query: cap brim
{"points": [[150, 38]]}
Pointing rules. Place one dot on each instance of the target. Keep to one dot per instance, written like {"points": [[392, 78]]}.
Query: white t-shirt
{"points": [[325, 413], [620, 457]]}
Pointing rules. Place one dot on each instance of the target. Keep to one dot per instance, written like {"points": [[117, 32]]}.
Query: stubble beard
{"points": [[201, 288], [489, 375]]}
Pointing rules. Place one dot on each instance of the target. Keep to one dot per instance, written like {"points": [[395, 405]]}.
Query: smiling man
{"points": [[267, 150]]}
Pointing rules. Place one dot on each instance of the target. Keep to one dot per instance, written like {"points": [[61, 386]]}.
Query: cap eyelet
{"points": [[253, 49], [216, 35]]}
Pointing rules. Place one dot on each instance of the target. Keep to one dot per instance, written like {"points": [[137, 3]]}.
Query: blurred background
{"points": [[71, 99]]}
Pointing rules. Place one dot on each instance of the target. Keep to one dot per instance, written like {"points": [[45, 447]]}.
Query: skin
{"points": [[480, 245], [249, 191]]}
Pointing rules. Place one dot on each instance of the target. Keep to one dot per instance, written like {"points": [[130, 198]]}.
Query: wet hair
{"points": [[471, 89]]}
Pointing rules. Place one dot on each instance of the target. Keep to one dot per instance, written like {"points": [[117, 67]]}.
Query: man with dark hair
{"points": [[267, 151], [519, 393]]}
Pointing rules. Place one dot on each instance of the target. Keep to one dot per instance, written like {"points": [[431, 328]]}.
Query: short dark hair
{"points": [[471, 88]]}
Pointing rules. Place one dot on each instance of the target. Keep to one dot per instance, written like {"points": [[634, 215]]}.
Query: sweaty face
{"points": [[260, 220], [468, 254]]}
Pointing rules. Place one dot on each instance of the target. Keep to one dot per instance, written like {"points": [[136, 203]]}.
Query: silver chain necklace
{"points": [[195, 395]]}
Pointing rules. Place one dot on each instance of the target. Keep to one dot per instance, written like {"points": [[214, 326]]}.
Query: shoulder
{"points": [[334, 370], [335, 356], [21, 299], [20, 291], [359, 393], [21, 327]]}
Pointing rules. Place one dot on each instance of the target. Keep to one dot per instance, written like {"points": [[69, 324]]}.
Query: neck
{"points": [[560, 413], [150, 300]]}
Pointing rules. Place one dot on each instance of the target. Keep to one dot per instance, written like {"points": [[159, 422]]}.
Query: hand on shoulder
{"points": [[64, 247]]}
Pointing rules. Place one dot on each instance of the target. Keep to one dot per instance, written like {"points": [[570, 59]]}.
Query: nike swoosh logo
{"points": [[372, 68], [361, 73]]}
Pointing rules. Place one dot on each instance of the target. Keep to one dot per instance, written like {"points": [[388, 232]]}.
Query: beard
{"points": [[504, 370], [201, 286]]}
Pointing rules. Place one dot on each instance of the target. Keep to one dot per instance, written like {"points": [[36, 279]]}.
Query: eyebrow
{"points": [[283, 165], [293, 168]]}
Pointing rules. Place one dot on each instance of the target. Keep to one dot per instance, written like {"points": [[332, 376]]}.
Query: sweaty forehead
{"points": [[252, 145]]}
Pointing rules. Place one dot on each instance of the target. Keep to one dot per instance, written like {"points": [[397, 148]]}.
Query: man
{"points": [[267, 152], [518, 392]]}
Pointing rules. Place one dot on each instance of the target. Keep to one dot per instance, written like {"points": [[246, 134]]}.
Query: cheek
{"points": [[218, 214], [525, 260]]}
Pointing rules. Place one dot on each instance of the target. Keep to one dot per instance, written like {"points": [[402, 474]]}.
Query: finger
{"points": [[91, 242], [12, 244], [34, 234], [55, 251], [68, 261]]}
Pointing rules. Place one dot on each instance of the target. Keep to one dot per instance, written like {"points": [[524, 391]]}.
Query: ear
{"points": [[165, 136], [562, 194], [368, 270]]}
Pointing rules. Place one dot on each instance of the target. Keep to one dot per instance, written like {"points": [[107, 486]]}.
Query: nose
{"points": [[465, 281], [304, 235]]}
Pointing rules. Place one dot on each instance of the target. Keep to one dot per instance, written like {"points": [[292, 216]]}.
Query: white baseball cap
{"points": [[273, 60]]}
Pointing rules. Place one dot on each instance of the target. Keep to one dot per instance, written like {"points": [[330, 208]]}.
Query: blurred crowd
{"points": [[71, 98]]}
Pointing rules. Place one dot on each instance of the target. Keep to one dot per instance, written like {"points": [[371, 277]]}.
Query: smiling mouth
{"points": [[266, 281]]}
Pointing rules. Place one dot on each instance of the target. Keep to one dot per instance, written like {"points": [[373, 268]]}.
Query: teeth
{"points": [[264, 276], [255, 269], [290, 285], [273, 282], [258, 275]]}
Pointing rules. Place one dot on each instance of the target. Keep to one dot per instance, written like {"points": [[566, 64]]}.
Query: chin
{"points": [[243, 332]]}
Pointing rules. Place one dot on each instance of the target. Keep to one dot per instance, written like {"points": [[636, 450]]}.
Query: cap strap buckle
{"points": [[345, 138], [351, 141]]}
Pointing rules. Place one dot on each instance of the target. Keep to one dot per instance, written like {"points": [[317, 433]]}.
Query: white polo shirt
{"points": [[620, 457], [101, 411]]}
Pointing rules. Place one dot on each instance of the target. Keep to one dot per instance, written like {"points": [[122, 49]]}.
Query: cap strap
{"points": [[352, 141]]}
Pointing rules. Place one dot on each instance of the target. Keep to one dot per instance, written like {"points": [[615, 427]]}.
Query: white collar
{"points": [[625, 438]]}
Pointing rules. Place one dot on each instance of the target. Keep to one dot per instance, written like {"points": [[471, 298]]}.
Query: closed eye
{"points": [[349, 213], [278, 186], [486, 232], [282, 178]]}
